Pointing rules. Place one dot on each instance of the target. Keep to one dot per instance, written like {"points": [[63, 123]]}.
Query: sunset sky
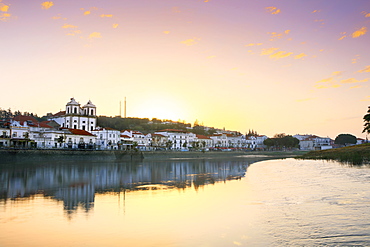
{"points": [[287, 66]]}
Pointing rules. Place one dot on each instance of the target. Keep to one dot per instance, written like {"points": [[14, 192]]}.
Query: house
{"points": [[107, 138], [313, 142], [360, 141], [177, 139], [82, 139], [203, 142], [4, 137], [220, 140], [76, 117], [140, 140], [256, 142], [236, 141], [159, 141]]}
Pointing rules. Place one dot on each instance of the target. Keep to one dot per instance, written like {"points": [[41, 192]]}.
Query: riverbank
{"points": [[357, 155], [32, 155], [219, 154]]}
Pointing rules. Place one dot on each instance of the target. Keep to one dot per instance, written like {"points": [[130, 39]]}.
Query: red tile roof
{"points": [[125, 136], [58, 114], [21, 118], [158, 135], [202, 137], [80, 132]]}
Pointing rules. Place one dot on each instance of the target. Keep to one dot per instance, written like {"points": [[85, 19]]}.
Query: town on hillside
{"points": [[76, 128]]}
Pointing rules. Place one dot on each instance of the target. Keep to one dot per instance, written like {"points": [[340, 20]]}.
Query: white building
{"points": [[220, 140], [76, 117], [313, 142], [256, 142], [203, 142], [177, 139], [107, 138], [4, 137]]}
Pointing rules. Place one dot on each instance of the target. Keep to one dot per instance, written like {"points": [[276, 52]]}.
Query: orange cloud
{"points": [[365, 14], [335, 73], [353, 80], [115, 25], [366, 99], [268, 51], [273, 10], [94, 35], [209, 57], [299, 56], [189, 42], [316, 11], [3, 7], [359, 32], [303, 100], [281, 54], [4, 16], [252, 44], [109, 16], [366, 69], [47, 5], [275, 35], [354, 87], [74, 33], [166, 32], [87, 12], [327, 80], [68, 26]]}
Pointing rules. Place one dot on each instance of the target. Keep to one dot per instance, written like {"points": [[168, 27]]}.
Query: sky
{"points": [[287, 66]]}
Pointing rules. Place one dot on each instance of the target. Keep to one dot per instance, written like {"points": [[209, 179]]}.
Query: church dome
{"points": [[73, 102], [89, 105]]}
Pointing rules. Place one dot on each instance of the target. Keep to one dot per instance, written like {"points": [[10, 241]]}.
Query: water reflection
{"points": [[76, 184]]}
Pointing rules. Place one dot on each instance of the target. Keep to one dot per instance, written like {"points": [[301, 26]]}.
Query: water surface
{"points": [[235, 202]]}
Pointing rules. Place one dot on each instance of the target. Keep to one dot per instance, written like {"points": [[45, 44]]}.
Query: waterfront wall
{"points": [[9, 155]]}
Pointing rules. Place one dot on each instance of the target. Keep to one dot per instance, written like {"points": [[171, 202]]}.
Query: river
{"points": [[242, 201]]}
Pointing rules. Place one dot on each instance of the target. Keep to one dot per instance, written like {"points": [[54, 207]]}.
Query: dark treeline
{"points": [[5, 114], [146, 125]]}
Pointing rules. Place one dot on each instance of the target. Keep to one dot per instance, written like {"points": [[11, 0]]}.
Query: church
{"points": [[76, 117]]}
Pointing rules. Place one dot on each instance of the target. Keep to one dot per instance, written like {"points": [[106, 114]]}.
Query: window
{"points": [[83, 127], [92, 112], [75, 110], [75, 126], [83, 121]]}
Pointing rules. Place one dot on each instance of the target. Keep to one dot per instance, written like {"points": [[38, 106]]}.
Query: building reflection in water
{"points": [[76, 184]]}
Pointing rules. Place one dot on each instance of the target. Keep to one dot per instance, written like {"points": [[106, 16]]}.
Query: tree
{"points": [[281, 141], [269, 142], [367, 122], [344, 139]]}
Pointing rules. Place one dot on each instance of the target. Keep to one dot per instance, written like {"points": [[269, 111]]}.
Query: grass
{"points": [[356, 155]]}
